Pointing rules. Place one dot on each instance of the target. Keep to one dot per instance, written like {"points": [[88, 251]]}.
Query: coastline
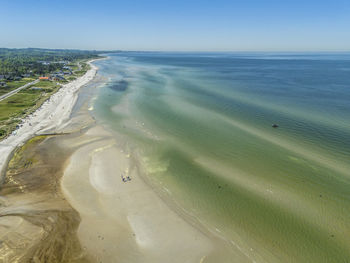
{"points": [[124, 221], [124, 217], [49, 117], [37, 224], [111, 220], [187, 199]]}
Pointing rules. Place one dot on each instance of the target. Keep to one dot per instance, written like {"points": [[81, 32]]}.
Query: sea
{"points": [[253, 147]]}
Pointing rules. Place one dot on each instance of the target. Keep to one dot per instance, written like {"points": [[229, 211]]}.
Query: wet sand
{"points": [[125, 221], [52, 116], [37, 224], [64, 200], [123, 218]]}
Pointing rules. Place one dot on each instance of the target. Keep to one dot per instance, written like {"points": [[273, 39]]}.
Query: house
{"points": [[58, 72], [8, 77], [46, 63], [67, 73], [2, 77], [17, 78], [57, 78], [27, 75], [44, 78], [3, 84]]}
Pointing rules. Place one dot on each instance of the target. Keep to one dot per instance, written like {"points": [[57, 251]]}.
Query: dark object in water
{"points": [[274, 126], [119, 85]]}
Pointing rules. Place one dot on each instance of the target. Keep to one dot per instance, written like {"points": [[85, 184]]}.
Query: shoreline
{"points": [[49, 116], [128, 220], [124, 221], [37, 222], [117, 221], [187, 199]]}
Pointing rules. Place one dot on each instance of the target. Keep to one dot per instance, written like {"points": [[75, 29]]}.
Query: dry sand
{"points": [[115, 221], [51, 116], [125, 221], [37, 224]]}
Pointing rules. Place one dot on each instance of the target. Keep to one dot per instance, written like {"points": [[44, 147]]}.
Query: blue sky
{"points": [[216, 25]]}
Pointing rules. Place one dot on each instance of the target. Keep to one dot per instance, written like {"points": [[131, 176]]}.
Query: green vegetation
{"points": [[23, 103], [18, 160], [16, 84], [71, 78], [21, 66], [11, 85], [34, 61], [16, 107], [44, 84]]}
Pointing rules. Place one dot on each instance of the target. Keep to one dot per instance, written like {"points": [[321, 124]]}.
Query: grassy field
{"points": [[71, 78], [11, 85], [84, 67], [23, 103], [16, 107], [44, 84]]}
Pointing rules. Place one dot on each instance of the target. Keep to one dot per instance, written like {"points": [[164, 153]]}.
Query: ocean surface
{"points": [[200, 125]]}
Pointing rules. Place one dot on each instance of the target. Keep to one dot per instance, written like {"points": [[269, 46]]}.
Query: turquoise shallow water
{"points": [[201, 123]]}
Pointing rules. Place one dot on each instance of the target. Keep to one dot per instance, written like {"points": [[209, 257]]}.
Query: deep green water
{"points": [[202, 125]]}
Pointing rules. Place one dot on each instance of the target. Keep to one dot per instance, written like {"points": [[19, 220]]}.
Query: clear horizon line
{"points": [[187, 50]]}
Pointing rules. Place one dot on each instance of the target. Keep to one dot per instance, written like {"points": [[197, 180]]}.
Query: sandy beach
{"points": [[35, 218], [95, 200], [124, 220], [51, 116], [123, 217]]}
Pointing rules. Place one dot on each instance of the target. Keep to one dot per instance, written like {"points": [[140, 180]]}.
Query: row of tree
{"points": [[17, 62]]}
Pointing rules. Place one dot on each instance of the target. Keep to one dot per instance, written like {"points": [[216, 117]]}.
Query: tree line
{"points": [[34, 61]]}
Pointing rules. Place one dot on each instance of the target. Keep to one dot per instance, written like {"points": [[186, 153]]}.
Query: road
{"points": [[13, 92]]}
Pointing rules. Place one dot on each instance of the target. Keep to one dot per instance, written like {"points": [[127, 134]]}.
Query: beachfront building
{"points": [[46, 63], [57, 77], [26, 75]]}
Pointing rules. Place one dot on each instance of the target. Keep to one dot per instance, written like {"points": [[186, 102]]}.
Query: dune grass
{"points": [[21, 104]]}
